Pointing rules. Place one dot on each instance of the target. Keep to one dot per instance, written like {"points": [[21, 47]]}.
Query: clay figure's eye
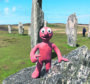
{"points": [[43, 30], [49, 30]]}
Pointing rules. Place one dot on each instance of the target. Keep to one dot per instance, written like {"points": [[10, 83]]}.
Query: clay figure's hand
{"points": [[63, 59], [37, 56]]}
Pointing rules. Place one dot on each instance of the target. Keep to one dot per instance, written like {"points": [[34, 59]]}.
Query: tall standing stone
{"points": [[71, 30], [45, 23], [9, 29], [89, 31], [29, 32], [37, 21], [20, 28]]}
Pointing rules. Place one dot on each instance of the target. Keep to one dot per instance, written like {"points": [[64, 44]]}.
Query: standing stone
{"points": [[71, 30], [29, 32], [9, 29], [89, 31], [37, 21], [20, 28], [45, 23]]}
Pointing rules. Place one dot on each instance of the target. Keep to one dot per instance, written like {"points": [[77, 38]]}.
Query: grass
{"points": [[14, 54], [15, 49]]}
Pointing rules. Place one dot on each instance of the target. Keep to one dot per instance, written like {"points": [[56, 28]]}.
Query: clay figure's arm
{"points": [[60, 58], [33, 56]]}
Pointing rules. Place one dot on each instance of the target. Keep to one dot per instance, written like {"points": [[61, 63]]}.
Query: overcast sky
{"points": [[55, 11]]}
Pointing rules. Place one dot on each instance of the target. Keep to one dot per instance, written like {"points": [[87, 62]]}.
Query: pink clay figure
{"points": [[45, 51]]}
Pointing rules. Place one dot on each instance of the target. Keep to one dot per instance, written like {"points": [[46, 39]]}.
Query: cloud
{"points": [[6, 1], [14, 9], [6, 11]]}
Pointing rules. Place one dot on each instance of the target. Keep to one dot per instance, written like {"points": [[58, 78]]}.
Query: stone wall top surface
{"points": [[76, 71]]}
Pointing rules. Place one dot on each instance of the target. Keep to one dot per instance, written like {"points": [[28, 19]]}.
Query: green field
{"points": [[15, 49]]}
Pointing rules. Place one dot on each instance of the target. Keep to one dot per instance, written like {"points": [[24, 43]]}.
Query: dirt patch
{"points": [[22, 63], [4, 42]]}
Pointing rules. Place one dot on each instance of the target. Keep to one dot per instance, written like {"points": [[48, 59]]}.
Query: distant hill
{"points": [[28, 24]]}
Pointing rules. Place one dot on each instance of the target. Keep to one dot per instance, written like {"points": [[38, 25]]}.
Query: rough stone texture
{"points": [[37, 21], [76, 71], [89, 31], [71, 30], [20, 28], [9, 29]]}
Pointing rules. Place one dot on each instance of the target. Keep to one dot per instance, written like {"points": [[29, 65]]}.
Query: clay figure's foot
{"points": [[35, 74], [47, 71]]}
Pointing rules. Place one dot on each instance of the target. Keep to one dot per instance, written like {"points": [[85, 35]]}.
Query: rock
{"points": [[37, 21], [29, 32], [45, 23], [20, 28], [76, 71], [71, 30], [89, 31], [9, 29]]}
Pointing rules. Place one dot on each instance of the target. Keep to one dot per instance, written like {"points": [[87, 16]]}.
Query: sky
{"points": [[55, 11]]}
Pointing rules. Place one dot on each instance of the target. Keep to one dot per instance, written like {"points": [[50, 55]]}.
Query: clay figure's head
{"points": [[46, 33]]}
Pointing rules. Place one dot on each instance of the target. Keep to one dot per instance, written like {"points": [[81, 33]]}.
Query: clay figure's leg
{"points": [[37, 70], [48, 65]]}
